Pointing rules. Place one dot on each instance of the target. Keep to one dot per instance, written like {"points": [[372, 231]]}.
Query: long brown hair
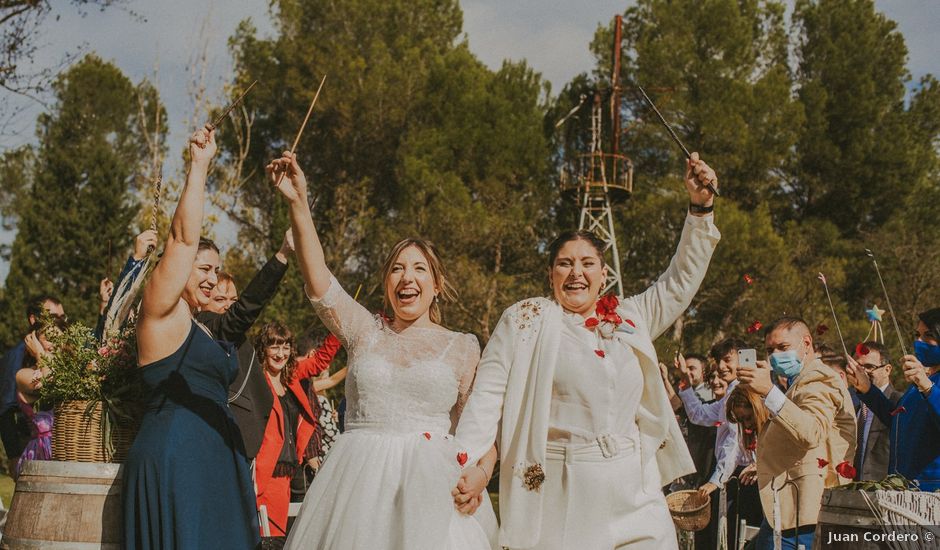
{"points": [[748, 399], [446, 292], [272, 334]]}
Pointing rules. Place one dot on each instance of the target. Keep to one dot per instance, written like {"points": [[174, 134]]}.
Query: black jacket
{"points": [[250, 398]]}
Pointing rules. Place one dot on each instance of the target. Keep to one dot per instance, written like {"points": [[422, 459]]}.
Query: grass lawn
{"points": [[6, 490]]}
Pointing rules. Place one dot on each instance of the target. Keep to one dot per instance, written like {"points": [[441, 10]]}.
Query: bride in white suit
{"points": [[572, 388]]}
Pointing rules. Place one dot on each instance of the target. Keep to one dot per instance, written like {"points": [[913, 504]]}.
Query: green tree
{"points": [[861, 150], [77, 198], [411, 136]]}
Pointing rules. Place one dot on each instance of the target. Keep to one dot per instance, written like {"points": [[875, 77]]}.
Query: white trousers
{"points": [[597, 497]]}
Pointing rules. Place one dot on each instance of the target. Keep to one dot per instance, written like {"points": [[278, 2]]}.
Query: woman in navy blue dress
{"points": [[186, 480]]}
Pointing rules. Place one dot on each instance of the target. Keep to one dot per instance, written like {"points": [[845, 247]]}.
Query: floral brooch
{"points": [[532, 477], [607, 321]]}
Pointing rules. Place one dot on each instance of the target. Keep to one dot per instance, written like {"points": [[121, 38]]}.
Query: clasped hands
{"points": [[468, 494]]}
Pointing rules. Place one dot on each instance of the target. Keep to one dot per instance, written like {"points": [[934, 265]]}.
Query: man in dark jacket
{"points": [[249, 396], [871, 455]]}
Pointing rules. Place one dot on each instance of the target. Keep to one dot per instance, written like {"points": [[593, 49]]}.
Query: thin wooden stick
{"points": [[833, 310], [302, 126]]}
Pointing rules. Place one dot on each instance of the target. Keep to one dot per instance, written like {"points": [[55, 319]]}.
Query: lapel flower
{"points": [[822, 462], [846, 470], [461, 458], [606, 320]]}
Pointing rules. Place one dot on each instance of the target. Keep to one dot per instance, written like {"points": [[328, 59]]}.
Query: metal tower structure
{"points": [[598, 179]]}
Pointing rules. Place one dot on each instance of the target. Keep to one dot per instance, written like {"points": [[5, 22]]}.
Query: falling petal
{"points": [[846, 470], [461, 458], [822, 462], [755, 326], [591, 322], [898, 411], [748, 279], [821, 329], [862, 349]]}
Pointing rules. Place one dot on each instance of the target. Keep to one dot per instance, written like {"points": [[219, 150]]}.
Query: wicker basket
{"points": [[689, 511], [78, 437]]}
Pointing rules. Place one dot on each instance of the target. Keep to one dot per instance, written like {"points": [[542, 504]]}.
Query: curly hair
{"points": [[272, 334]]}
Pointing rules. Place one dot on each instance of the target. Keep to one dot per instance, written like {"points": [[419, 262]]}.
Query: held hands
{"points": [[468, 494], [757, 379], [915, 373], [202, 147], [144, 243], [293, 184], [856, 375], [697, 176]]}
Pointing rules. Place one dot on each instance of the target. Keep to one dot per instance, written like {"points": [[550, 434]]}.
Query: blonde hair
{"points": [[446, 292]]}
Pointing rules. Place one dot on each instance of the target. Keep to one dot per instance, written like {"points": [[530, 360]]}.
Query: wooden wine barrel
{"points": [[65, 505], [844, 519]]}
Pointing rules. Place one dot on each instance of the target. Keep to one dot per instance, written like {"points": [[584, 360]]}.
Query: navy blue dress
{"points": [[186, 479]]}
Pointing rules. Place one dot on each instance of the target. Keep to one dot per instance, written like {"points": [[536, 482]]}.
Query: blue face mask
{"points": [[927, 354], [786, 363]]}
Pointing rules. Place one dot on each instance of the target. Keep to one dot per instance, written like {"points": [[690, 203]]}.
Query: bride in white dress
{"points": [[386, 483]]}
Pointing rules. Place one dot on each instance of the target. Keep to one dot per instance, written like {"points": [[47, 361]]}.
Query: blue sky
{"points": [[553, 35]]}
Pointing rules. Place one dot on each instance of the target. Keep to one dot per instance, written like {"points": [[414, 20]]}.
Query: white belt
{"points": [[604, 447]]}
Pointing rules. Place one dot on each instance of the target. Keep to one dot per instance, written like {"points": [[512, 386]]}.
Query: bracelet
{"points": [[699, 209], [482, 469]]}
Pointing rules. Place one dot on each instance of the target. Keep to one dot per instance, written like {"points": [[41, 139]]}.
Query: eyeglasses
{"points": [[869, 367]]}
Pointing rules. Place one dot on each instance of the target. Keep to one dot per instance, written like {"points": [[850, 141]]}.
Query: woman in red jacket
{"points": [[292, 421]]}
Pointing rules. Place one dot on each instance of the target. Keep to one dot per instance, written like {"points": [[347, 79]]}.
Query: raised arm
{"points": [[333, 380], [293, 185], [661, 304], [312, 366], [161, 297]]}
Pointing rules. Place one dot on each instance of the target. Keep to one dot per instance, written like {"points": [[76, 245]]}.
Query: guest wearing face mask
{"points": [[809, 442], [914, 418]]}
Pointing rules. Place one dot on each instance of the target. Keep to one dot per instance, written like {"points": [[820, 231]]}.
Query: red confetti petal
{"points": [[822, 462], [600, 353], [607, 304], [629, 322], [427, 436], [748, 279], [898, 411], [846, 470], [755, 326], [591, 322], [862, 349], [821, 329], [461, 458], [752, 445], [683, 384]]}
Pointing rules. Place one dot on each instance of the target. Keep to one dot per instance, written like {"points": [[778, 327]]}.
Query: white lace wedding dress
{"points": [[385, 484]]}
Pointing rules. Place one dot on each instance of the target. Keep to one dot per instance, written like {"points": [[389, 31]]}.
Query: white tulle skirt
{"points": [[380, 490]]}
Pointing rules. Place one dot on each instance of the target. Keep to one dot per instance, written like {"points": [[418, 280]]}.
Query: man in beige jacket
{"points": [[809, 439]]}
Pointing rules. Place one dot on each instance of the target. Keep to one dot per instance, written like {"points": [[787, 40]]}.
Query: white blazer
{"points": [[513, 388]]}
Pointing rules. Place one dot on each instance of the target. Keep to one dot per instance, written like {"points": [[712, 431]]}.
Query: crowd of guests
{"points": [[772, 436], [569, 404]]}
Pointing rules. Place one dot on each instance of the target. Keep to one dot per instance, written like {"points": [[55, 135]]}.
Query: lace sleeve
{"points": [[467, 360], [343, 316]]}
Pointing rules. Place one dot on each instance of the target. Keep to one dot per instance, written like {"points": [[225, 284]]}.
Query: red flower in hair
{"points": [[600, 353], [821, 329], [846, 470], [755, 326], [862, 349], [748, 279], [461, 458], [898, 411], [822, 462]]}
